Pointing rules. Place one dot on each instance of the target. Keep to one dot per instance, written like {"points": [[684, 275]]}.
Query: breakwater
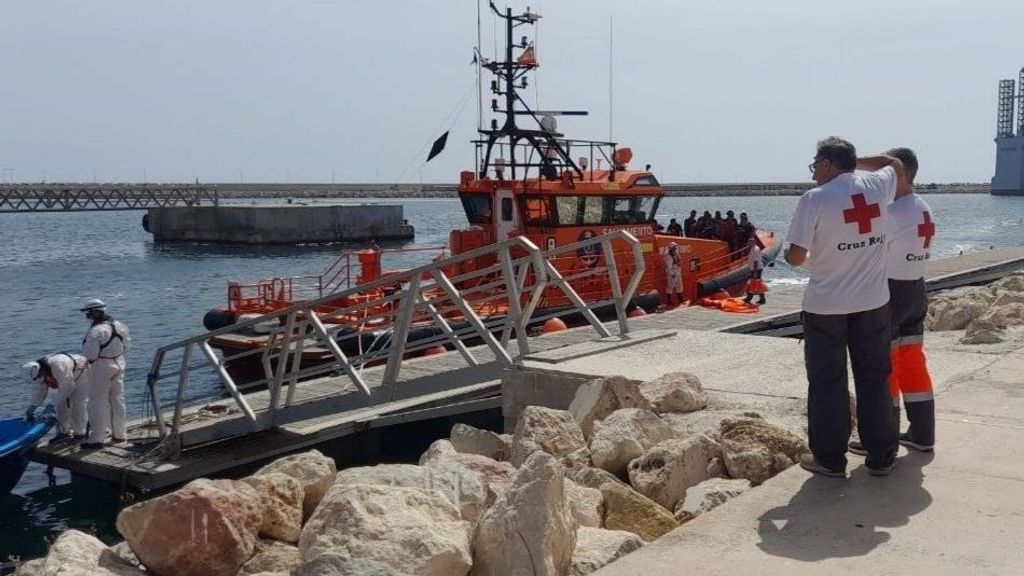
{"points": [[445, 190]]}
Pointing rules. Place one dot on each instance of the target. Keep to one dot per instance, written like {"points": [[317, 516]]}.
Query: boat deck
{"points": [[431, 387]]}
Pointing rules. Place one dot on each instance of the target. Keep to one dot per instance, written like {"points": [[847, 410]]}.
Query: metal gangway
{"points": [[473, 310], [72, 197]]}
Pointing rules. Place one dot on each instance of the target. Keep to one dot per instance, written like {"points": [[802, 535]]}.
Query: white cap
{"points": [[32, 368], [94, 304]]}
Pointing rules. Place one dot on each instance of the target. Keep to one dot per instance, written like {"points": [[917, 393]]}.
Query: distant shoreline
{"points": [[689, 190], [271, 190]]}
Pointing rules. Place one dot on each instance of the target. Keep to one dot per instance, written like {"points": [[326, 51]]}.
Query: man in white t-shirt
{"points": [[910, 231], [838, 234]]}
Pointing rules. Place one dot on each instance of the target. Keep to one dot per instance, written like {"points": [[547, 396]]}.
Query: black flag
{"points": [[438, 146]]}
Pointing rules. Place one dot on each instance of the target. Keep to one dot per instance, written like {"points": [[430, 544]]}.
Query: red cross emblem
{"points": [[862, 213], [926, 229]]}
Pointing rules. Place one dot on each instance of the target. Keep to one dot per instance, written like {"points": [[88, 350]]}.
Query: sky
{"points": [[356, 90]]}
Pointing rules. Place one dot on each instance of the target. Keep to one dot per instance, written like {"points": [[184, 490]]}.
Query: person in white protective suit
{"points": [[105, 346], [67, 374]]}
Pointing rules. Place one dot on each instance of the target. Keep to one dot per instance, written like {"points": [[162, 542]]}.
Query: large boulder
{"points": [[1011, 283], [206, 528], [598, 398], [707, 495], [624, 435], [272, 556], [530, 529], [282, 498], [331, 564], [464, 489], [756, 450], [469, 440], [591, 477], [956, 311], [626, 509], [75, 553], [408, 529], [982, 331], [494, 475], [553, 431], [664, 472], [586, 504], [314, 470], [677, 392], [596, 548]]}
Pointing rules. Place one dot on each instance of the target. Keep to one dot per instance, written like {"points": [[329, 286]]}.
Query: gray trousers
{"points": [[867, 336]]}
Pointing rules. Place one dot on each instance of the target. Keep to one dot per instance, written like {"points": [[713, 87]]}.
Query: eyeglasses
{"points": [[814, 164]]}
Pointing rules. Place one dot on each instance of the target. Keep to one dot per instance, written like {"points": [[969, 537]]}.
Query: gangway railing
{"points": [[488, 295]]}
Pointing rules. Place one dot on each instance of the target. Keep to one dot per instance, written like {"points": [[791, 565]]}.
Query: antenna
{"points": [[479, 86], [611, 50]]}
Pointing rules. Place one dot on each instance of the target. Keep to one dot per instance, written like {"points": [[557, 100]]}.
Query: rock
{"points": [[707, 495], [664, 472], [626, 509], [624, 435], [495, 475], [465, 489], [406, 529], [1004, 297], [591, 477], [596, 548], [553, 431], [282, 498], [955, 314], [1005, 316], [530, 529], [35, 567], [124, 552], [469, 440], [436, 449], [331, 564], [272, 556], [577, 459], [586, 504], [1011, 283], [206, 528], [598, 398], [982, 331], [756, 450], [75, 553], [314, 470], [678, 392]]}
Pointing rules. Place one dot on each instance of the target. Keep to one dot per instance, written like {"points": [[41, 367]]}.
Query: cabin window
{"points": [[506, 209], [477, 207], [593, 210], [537, 211], [568, 208], [647, 207], [648, 180]]}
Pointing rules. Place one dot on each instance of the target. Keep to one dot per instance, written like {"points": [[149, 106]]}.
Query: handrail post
{"points": [[613, 276], [151, 380], [401, 332], [229, 383], [186, 356]]}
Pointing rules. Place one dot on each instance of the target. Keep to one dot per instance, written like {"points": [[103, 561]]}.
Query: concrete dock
{"points": [[278, 223]]}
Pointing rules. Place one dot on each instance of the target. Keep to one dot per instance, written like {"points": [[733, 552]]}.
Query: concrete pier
{"points": [[278, 223]]}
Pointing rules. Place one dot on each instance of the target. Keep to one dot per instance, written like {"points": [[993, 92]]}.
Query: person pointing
{"points": [[105, 346]]}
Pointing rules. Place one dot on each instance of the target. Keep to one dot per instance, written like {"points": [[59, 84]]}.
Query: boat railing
{"points": [[486, 295]]}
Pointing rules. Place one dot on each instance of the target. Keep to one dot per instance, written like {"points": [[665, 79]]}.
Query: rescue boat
{"points": [[529, 180]]}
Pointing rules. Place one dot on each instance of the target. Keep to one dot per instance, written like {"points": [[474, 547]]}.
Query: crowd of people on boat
{"points": [[728, 229], [89, 387]]}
